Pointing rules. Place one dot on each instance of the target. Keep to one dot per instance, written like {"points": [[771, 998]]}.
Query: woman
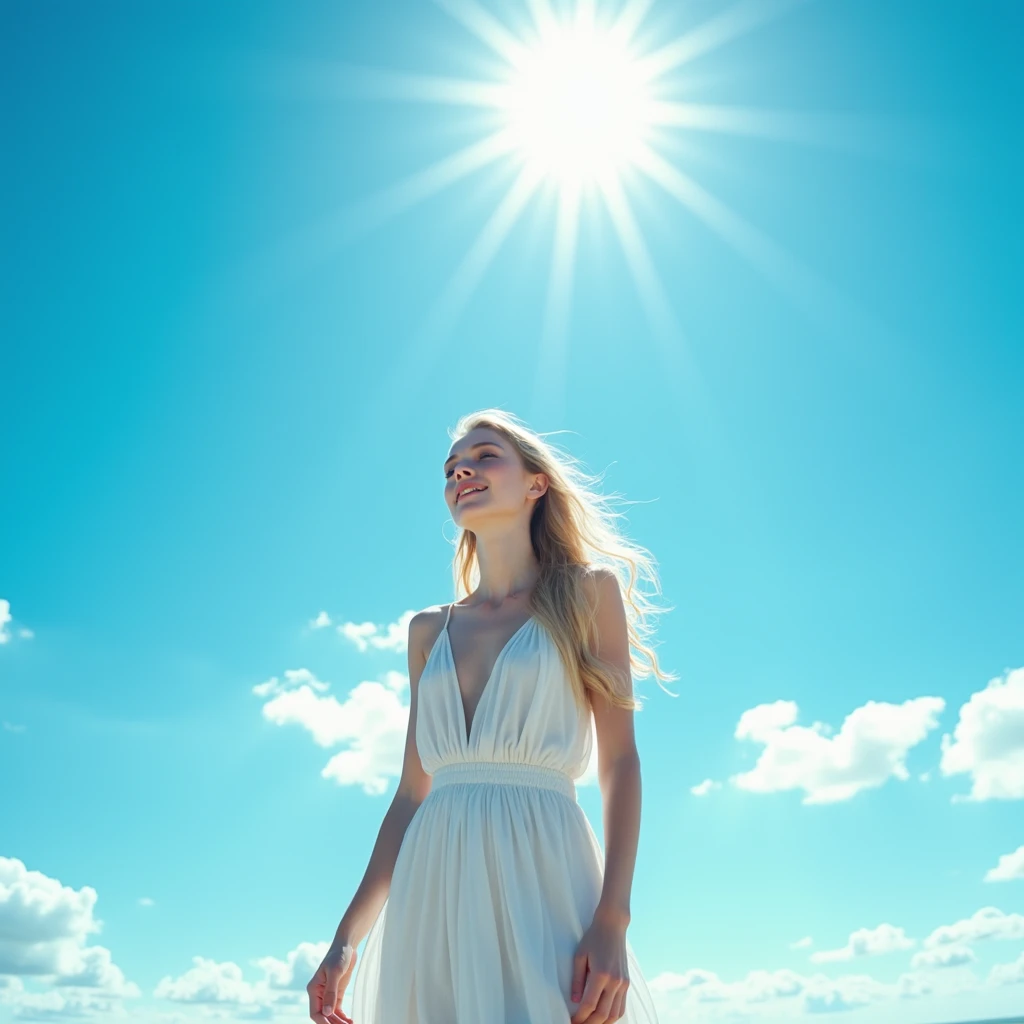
{"points": [[487, 899]]}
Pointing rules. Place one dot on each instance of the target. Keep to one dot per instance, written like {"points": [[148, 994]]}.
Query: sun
{"points": [[577, 105], [582, 97]]}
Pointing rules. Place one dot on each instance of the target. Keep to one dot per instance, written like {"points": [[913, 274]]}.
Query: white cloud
{"points": [[10, 988], [943, 956], [886, 938], [988, 741], [700, 985], [762, 722], [321, 621], [699, 996], [220, 989], [97, 970], [392, 637], [802, 943], [870, 748], [43, 925], [5, 620], [826, 995], [1008, 974], [44, 932], [65, 1005], [294, 678], [296, 969], [1010, 866], [208, 982], [705, 787], [762, 988], [914, 986], [987, 923], [371, 721]]}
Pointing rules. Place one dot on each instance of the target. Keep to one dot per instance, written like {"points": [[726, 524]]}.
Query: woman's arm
{"points": [[413, 787], [618, 762], [600, 966]]}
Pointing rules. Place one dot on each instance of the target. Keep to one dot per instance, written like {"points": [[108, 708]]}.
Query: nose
{"points": [[461, 475]]}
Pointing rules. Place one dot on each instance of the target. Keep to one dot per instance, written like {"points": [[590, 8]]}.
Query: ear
{"points": [[540, 484]]}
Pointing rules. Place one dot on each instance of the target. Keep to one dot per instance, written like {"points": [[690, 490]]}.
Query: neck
{"points": [[508, 568]]}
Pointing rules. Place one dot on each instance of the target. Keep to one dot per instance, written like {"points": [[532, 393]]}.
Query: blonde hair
{"points": [[574, 536]]}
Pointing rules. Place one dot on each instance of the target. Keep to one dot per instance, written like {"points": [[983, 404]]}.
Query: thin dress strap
{"points": [[448, 616]]}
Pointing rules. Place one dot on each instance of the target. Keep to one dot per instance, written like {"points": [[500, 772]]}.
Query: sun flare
{"points": [[577, 108], [582, 97]]}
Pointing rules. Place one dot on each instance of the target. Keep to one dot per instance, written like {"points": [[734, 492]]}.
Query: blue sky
{"points": [[245, 297]]}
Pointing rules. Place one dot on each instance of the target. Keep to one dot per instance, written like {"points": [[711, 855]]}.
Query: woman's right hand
{"points": [[327, 986]]}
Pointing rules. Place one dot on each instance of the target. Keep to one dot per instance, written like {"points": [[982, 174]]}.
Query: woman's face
{"points": [[485, 460]]}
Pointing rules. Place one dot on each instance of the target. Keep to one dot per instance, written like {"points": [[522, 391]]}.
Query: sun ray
{"points": [[645, 276], [754, 246], [543, 16], [309, 76], [629, 19], [713, 33], [381, 206], [841, 131], [586, 14], [553, 351], [683, 375], [563, 258], [289, 258], [487, 29], [449, 305], [465, 92], [814, 297], [482, 252]]}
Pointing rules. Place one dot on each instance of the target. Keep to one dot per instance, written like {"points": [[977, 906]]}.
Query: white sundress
{"points": [[499, 872]]}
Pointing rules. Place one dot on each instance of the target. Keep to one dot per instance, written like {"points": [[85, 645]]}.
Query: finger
{"points": [[619, 1009], [335, 1015], [591, 995], [579, 973], [330, 995], [316, 997], [315, 1002], [334, 989], [603, 1011]]}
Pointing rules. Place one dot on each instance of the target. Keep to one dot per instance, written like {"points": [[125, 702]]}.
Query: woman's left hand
{"points": [[600, 963]]}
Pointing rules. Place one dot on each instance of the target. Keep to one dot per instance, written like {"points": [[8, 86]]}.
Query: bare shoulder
{"points": [[602, 588], [424, 629]]}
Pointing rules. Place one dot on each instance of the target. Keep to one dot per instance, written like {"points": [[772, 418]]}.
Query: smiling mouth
{"points": [[465, 494]]}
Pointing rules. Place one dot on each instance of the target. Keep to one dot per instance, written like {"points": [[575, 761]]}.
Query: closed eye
{"points": [[483, 455]]}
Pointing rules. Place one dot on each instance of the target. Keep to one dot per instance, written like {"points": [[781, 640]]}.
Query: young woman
{"points": [[487, 899]]}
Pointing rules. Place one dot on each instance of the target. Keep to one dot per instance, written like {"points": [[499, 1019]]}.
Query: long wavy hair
{"points": [[574, 533]]}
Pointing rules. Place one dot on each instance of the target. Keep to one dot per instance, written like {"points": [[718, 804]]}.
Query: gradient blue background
{"points": [[206, 441]]}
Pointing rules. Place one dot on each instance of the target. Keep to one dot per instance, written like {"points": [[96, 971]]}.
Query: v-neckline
{"points": [[467, 730]]}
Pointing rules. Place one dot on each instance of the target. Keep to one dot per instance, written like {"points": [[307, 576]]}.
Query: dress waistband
{"points": [[509, 773]]}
